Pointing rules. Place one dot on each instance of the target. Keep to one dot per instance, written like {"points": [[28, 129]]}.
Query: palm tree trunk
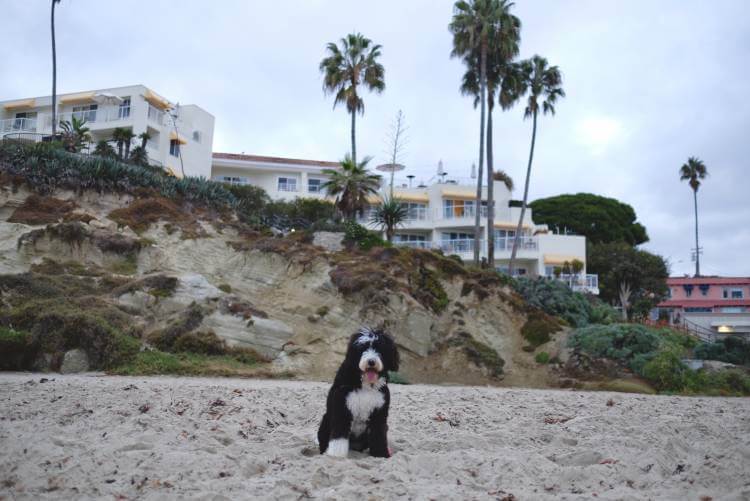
{"points": [[697, 249], [478, 207], [354, 143], [490, 195], [54, 73], [517, 238]]}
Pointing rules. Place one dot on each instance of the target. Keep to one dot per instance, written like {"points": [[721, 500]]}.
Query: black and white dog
{"points": [[357, 407]]}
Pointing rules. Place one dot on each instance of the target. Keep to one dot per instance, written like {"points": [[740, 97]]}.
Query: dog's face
{"points": [[374, 353]]}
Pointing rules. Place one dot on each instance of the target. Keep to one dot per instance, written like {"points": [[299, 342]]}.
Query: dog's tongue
{"points": [[371, 376]]}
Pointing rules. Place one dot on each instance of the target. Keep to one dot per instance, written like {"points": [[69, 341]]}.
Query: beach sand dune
{"points": [[82, 437]]}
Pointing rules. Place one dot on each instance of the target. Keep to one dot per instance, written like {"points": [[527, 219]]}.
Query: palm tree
{"points": [[351, 184], [541, 81], [474, 26], [692, 172], [54, 71], [104, 149], [389, 215], [75, 134], [346, 67], [503, 177], [118, 136], [144, 137], [127, 138], [503, 47], [138, 156]]}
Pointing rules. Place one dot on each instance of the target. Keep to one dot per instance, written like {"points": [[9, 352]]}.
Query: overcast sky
{"points": [[648, 83]]}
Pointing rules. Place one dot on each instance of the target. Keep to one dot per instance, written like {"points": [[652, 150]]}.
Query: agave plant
{"points": [[389, 215]]}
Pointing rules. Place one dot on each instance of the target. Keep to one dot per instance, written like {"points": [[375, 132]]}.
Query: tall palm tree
{"points": [[144, 137], [474, 26], [104, 149], [54, 71], [692, 172], [348, 66], [503, 48], [351, 184], [127, 138], [543, 82]]}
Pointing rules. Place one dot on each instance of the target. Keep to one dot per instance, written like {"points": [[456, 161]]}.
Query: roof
{"points": [[708, 281], [703, 303], [274, 160]]}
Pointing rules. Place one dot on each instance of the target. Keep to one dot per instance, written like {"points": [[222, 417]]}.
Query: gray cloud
{"points": [[648, 84]]}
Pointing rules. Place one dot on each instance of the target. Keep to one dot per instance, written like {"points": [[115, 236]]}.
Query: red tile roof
{"points": [[275, 160], [703, 303], [708, 281]]}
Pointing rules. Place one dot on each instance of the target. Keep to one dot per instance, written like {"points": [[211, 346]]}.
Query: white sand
{"points": [[80, 437]]}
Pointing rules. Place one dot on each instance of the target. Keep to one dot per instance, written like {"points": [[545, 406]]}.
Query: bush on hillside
{"points": [[555, 298], [45, 168], [17, 349], [732, 349], [357, 235]]}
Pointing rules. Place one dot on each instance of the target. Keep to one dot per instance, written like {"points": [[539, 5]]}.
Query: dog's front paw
{"points": [[338, 447]]}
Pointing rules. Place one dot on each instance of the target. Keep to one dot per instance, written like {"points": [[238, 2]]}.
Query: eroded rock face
{"points": [[288, 310], [74, 361]]}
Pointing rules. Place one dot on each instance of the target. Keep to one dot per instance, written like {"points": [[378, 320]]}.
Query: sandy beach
{"points": [[84, 437]]}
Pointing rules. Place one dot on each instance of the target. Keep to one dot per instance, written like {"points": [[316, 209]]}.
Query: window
{"points": [[458, 208], [314, 185], [124, 110], [87, 112], [287, 184], [231, 179], [409, 238], [704, 289], [734, 294], [696, 309], [415, 210], [731, 309], [688, 290], [174, 147], [197, 136]]}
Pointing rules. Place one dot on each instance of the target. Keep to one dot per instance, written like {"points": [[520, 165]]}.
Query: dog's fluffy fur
{"points": [[357, 407]]}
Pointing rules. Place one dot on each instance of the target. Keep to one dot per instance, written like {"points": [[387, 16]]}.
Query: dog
{"points": [[356, 414]]}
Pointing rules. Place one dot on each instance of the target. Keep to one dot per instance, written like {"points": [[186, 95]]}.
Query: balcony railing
{"points": [[91, 116], [524, 243], [17, 125], [414, 244], [462, 212], [457, 246], [287, 187], [578, 282]]}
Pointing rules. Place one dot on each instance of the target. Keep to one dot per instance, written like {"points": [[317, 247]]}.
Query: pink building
{"points": [[718, 306]]}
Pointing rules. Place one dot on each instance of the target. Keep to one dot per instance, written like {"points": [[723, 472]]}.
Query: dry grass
{"points": [[38, 210], [143, 212]]}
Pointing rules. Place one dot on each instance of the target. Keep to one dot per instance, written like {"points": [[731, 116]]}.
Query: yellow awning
{"points": [[173, 172], [78, 98], [509, 226], [22, 103], [156, 100], [459, 194], [173, 136], [559, 259], [411, 197]]}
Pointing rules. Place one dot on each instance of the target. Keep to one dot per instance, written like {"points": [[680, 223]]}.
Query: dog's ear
{"points": [[393, 356]]}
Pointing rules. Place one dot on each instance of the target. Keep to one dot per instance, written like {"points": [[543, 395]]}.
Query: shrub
{"points": [[542, 357], [17, 349], [205, 342], [479, 353], [356, 234], [554, 298], [621, 342], [732, 349], [41, 210], [538, 328], [166, 339], [226, 288], [666, 370]]}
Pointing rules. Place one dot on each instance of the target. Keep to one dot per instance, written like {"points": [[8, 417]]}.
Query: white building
{"points": [[441, 214], [174, 129]]}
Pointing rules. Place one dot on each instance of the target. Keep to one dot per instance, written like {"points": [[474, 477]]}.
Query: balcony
{"points": [[457, 246], [579, 283], [99, 116], [155, 115], [414, 244], [524, 243], [462, 212], [17, 125], [287, 187]]}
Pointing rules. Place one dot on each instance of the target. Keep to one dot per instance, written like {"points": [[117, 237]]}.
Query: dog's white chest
{"points": [[361, 403]]}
